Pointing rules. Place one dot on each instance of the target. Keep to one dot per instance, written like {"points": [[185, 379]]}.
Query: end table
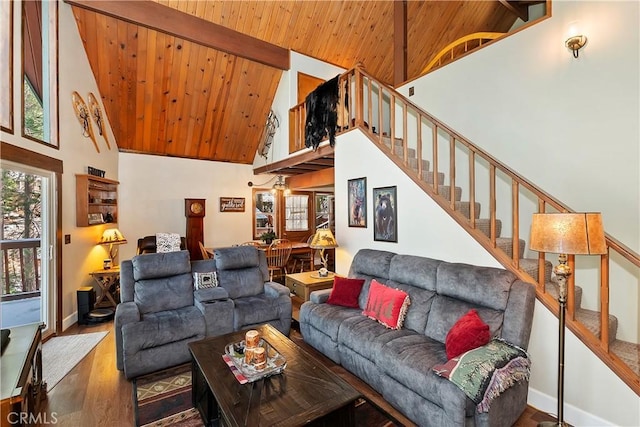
{"points": [[106, 279], [302, 284]]}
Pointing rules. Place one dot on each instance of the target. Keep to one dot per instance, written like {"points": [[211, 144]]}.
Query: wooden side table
{"points": [[302, 284], [107, 279]]}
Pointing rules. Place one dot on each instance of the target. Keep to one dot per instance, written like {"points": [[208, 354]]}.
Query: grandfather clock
{"points": [[194, 211]]}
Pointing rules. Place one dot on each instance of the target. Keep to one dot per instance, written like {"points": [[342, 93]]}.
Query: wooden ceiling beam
{"points": [[518, 9], [292, 162], [321, 178], [170, 21], [399, 42]]}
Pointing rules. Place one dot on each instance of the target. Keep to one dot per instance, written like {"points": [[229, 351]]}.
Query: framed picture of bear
{"points": [[385, 208], [357, 202]]}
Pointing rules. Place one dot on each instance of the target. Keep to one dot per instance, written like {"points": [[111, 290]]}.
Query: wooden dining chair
{"points": [[278, 254], [205, 253], [304, 258]]}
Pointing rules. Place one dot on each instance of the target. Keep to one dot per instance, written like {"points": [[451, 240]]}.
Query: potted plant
{"points": [[268, 237]]}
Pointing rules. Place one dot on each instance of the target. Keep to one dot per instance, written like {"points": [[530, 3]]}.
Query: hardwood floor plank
{"points": [[95, 394]]}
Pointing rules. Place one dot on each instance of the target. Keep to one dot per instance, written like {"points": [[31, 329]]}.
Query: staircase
{"points": [[494, 204]]}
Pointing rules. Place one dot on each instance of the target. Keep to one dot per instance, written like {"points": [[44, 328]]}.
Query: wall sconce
{"points": [[575, 43]]}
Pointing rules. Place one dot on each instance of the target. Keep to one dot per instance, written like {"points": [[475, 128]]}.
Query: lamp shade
{"points": [[323, 239], [568, 233], [112, 236]]}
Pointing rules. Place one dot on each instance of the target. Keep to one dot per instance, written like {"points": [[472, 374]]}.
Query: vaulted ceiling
{"points": [[197, 79]]}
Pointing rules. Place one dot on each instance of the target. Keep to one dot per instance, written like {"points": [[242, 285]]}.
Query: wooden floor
{"points": [[96, 394]]}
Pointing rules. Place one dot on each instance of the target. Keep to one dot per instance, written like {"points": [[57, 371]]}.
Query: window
{"points": [[39, 71], [296, 208], [264, 212]]}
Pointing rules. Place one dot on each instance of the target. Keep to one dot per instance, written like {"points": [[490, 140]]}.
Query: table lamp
{"points": [[323, 239], [563, 234], [111, 237]]}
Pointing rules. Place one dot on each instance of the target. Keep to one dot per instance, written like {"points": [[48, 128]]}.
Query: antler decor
{"points": [[82, 113], [96, 112]]}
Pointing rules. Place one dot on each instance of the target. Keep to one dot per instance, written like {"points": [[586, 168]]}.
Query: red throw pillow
{"points": [[467, 333], [345, 292], [386, 305]]}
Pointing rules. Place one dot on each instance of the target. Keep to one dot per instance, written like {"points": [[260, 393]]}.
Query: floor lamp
{"points": [[565, 234]]}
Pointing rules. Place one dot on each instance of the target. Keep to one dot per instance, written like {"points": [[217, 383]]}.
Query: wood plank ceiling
{"points": [[167, 94]]}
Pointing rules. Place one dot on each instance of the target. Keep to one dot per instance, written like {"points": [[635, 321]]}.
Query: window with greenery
{"points": [[39, 71], [21, 231]]}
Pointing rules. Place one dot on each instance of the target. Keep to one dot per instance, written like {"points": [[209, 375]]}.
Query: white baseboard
{"points": [[572, 415], [69, 320]]}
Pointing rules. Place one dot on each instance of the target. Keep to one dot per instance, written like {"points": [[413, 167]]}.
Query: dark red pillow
{"points": [[345, 292], [467, 333]]}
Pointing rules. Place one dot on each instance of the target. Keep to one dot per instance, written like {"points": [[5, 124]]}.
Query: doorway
{"points": [[27, 243]]}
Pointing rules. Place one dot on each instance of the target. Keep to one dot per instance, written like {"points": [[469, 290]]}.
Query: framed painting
{"points": [[385, 208], [357, 202]]}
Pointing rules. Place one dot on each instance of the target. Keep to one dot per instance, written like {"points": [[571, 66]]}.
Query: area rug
{"points": [[61, 354], [164, 398]]}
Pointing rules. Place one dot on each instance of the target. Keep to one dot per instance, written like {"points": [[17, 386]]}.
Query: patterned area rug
{"points": [[164, 398]]}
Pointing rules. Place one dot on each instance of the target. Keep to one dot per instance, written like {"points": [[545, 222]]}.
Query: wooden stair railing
{"points": [[459, 48], [427, 149]]}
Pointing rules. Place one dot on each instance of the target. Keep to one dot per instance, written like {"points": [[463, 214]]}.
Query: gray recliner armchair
{"points": [[243, 272], [160, 312]]}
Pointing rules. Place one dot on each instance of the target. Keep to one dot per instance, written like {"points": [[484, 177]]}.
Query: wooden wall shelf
{"points": [[96, 200]]}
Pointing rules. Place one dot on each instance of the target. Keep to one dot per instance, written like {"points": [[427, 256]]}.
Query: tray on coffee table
{"points": [[275, 361]]}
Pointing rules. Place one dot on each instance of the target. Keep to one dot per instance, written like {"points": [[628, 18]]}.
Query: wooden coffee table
{"points": [[302, 284], [306, 392]]}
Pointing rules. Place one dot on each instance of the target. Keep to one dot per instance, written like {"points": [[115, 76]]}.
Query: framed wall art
{"points": [[385, 213], [357, 202]]}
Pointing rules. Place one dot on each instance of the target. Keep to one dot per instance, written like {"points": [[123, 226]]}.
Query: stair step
{"points": [[591, 320], [552, 289], [387, 141], [530, 266], [628, 352], [428, 177], [398, 148], [465, 209], [413, 164], [505, 244], [484, 225], [444, 191]]}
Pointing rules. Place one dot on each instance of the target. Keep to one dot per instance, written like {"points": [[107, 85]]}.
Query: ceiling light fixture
{"points": [[280, 185]]}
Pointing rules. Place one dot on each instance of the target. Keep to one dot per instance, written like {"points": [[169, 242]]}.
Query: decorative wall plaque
{"points": [[231, 204]]}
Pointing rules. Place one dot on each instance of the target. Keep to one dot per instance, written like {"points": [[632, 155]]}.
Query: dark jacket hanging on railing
{"points": [[322, 116]]}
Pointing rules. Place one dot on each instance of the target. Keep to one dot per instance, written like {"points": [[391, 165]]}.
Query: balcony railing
{"points": [[20, 268], [462, 179]]}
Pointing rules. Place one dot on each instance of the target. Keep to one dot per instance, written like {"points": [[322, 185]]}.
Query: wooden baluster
{"points": [[492, 203], [435, 158], [604, 300], [452, 171], [359, 98], [405, 127], [35, 269], [472, 188], [419, 146], [22, 277], [515, 227]]}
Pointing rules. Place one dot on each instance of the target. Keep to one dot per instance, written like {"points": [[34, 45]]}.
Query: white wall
{"points": [[287, 97], [153, 192], [82, 255], [570, 125]]}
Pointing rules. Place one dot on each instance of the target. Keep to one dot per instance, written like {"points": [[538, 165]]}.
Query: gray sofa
{"points": [[398, 363], [161, 312]]}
